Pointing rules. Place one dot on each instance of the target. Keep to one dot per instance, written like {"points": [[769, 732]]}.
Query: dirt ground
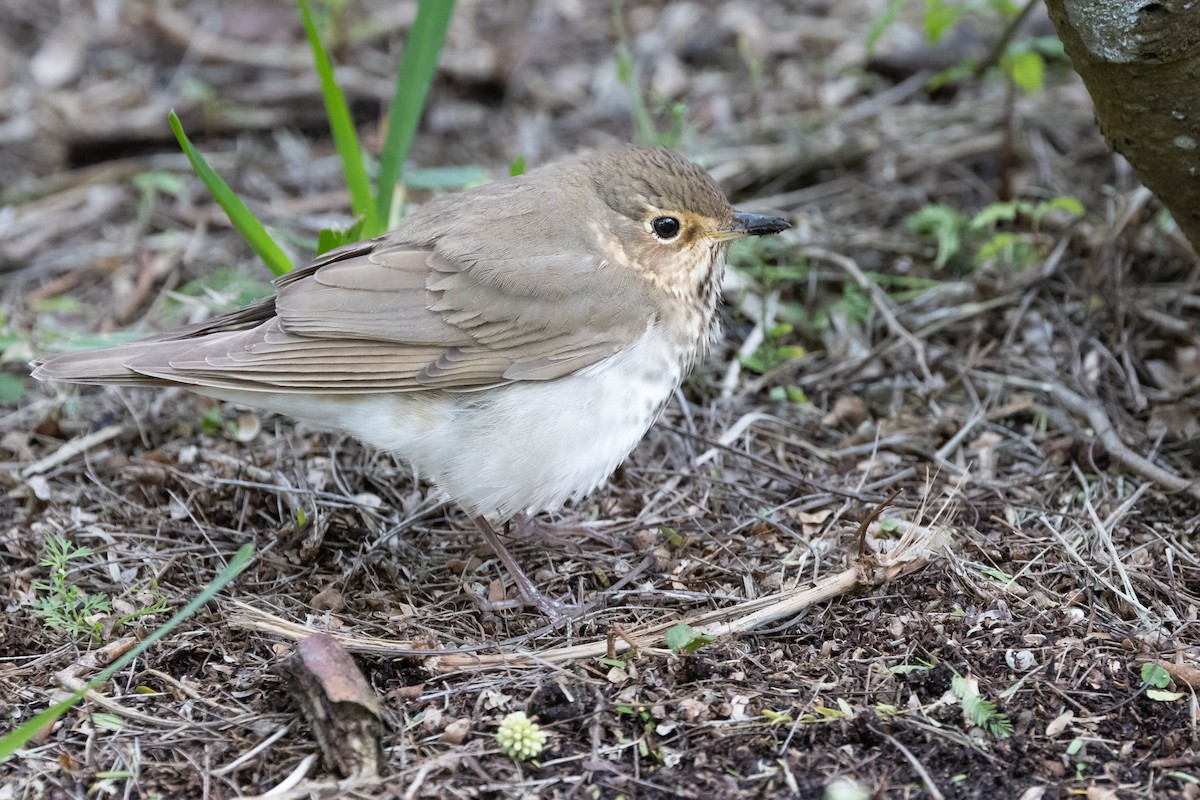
{"points": [[893, 479]]}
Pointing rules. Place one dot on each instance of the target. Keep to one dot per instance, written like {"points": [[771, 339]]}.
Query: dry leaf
{"points": [[1059, 724], [848, 411]]}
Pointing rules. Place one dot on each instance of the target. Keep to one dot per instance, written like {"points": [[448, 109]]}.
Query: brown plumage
{"points": [[513, 341]]}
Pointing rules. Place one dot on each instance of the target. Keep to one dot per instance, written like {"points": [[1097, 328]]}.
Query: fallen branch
{"points": [[1106, 433], [73, 448], [910, 552]]}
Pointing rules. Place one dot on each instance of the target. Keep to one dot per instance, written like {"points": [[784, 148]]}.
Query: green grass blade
{"points": [[628, 77], [345, 137], [13, 741], [246, 223], [412, 86]]}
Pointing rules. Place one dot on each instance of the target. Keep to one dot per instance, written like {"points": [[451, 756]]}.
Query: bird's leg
{"points": [[562, 534], [529, 593]]}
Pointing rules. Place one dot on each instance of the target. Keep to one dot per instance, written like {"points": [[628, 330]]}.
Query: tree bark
{"points": [[1140, 61]]}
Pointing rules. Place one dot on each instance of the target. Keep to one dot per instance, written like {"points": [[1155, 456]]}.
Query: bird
{"points": [[513, 342]]}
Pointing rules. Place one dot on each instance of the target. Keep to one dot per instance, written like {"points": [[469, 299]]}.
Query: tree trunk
{"points": [[1140, 61]]}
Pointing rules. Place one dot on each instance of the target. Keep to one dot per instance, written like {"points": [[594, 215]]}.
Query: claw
{"points": [[530, 596]]}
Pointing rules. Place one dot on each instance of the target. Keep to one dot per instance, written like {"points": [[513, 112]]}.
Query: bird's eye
{"points": [[665, 228]]}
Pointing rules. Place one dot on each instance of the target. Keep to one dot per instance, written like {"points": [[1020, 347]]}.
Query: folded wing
{"points": [[389, 316]]}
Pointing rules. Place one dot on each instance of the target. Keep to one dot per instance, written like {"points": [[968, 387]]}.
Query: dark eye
{"points": [[665, 227]]}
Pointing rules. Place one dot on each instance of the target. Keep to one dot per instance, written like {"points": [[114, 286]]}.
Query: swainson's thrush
{"points": [[513, 341]]}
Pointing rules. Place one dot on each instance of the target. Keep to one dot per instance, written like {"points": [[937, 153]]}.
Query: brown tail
{"points": [[105, 366], [112, 365]]}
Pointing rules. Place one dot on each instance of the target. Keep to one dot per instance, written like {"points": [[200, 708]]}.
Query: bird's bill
{"points": [[752, 225]]}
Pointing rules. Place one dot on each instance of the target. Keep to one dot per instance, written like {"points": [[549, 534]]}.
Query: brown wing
{"points": [[389, 316]]}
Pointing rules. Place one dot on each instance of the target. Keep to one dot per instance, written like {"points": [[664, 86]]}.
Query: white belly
{"points": [[529, 446]]}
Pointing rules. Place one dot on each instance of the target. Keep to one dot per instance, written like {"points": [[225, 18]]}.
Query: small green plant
{"points": [[640, 715], [683, 639], [1157, 679], [520, 737], [213, 422], [978, 709], [223, 290], [905, 669], [65, 606], [777, 717], [761, 261], [1023, 62], [152, 184], [1076, 748], [773, 351], [14, 740], [976, 238], [643, 119], [14, 347], [68, 608]]}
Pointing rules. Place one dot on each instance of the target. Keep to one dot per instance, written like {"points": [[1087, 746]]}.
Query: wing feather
{"points": [[432, 305]]}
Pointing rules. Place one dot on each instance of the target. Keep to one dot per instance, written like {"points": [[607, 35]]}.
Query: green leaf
{"points": [[754, 362], [944, 224], [16, 739], [885, 21], [951, 75], [1027, 70], [997, 575], [627, 76], [904, 669], [413, 80], [1071, 205], [222, 290], [1155, 675], [682, 638], [333, 238], [168, 183], [830, 713], [1007, 248], [517, 167], [1006, 8], [796, 394], [108, 722], [981, 711], [345, 137], [994, 213], [446, 177], [245, 222], [12, 389], [940, 16]]}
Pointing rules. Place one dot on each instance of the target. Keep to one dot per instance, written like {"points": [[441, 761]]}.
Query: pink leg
{"points": [[529, 593]]}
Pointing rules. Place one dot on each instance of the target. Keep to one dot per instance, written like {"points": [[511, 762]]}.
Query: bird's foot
{"points": [[529, 593], [553, 609]]}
